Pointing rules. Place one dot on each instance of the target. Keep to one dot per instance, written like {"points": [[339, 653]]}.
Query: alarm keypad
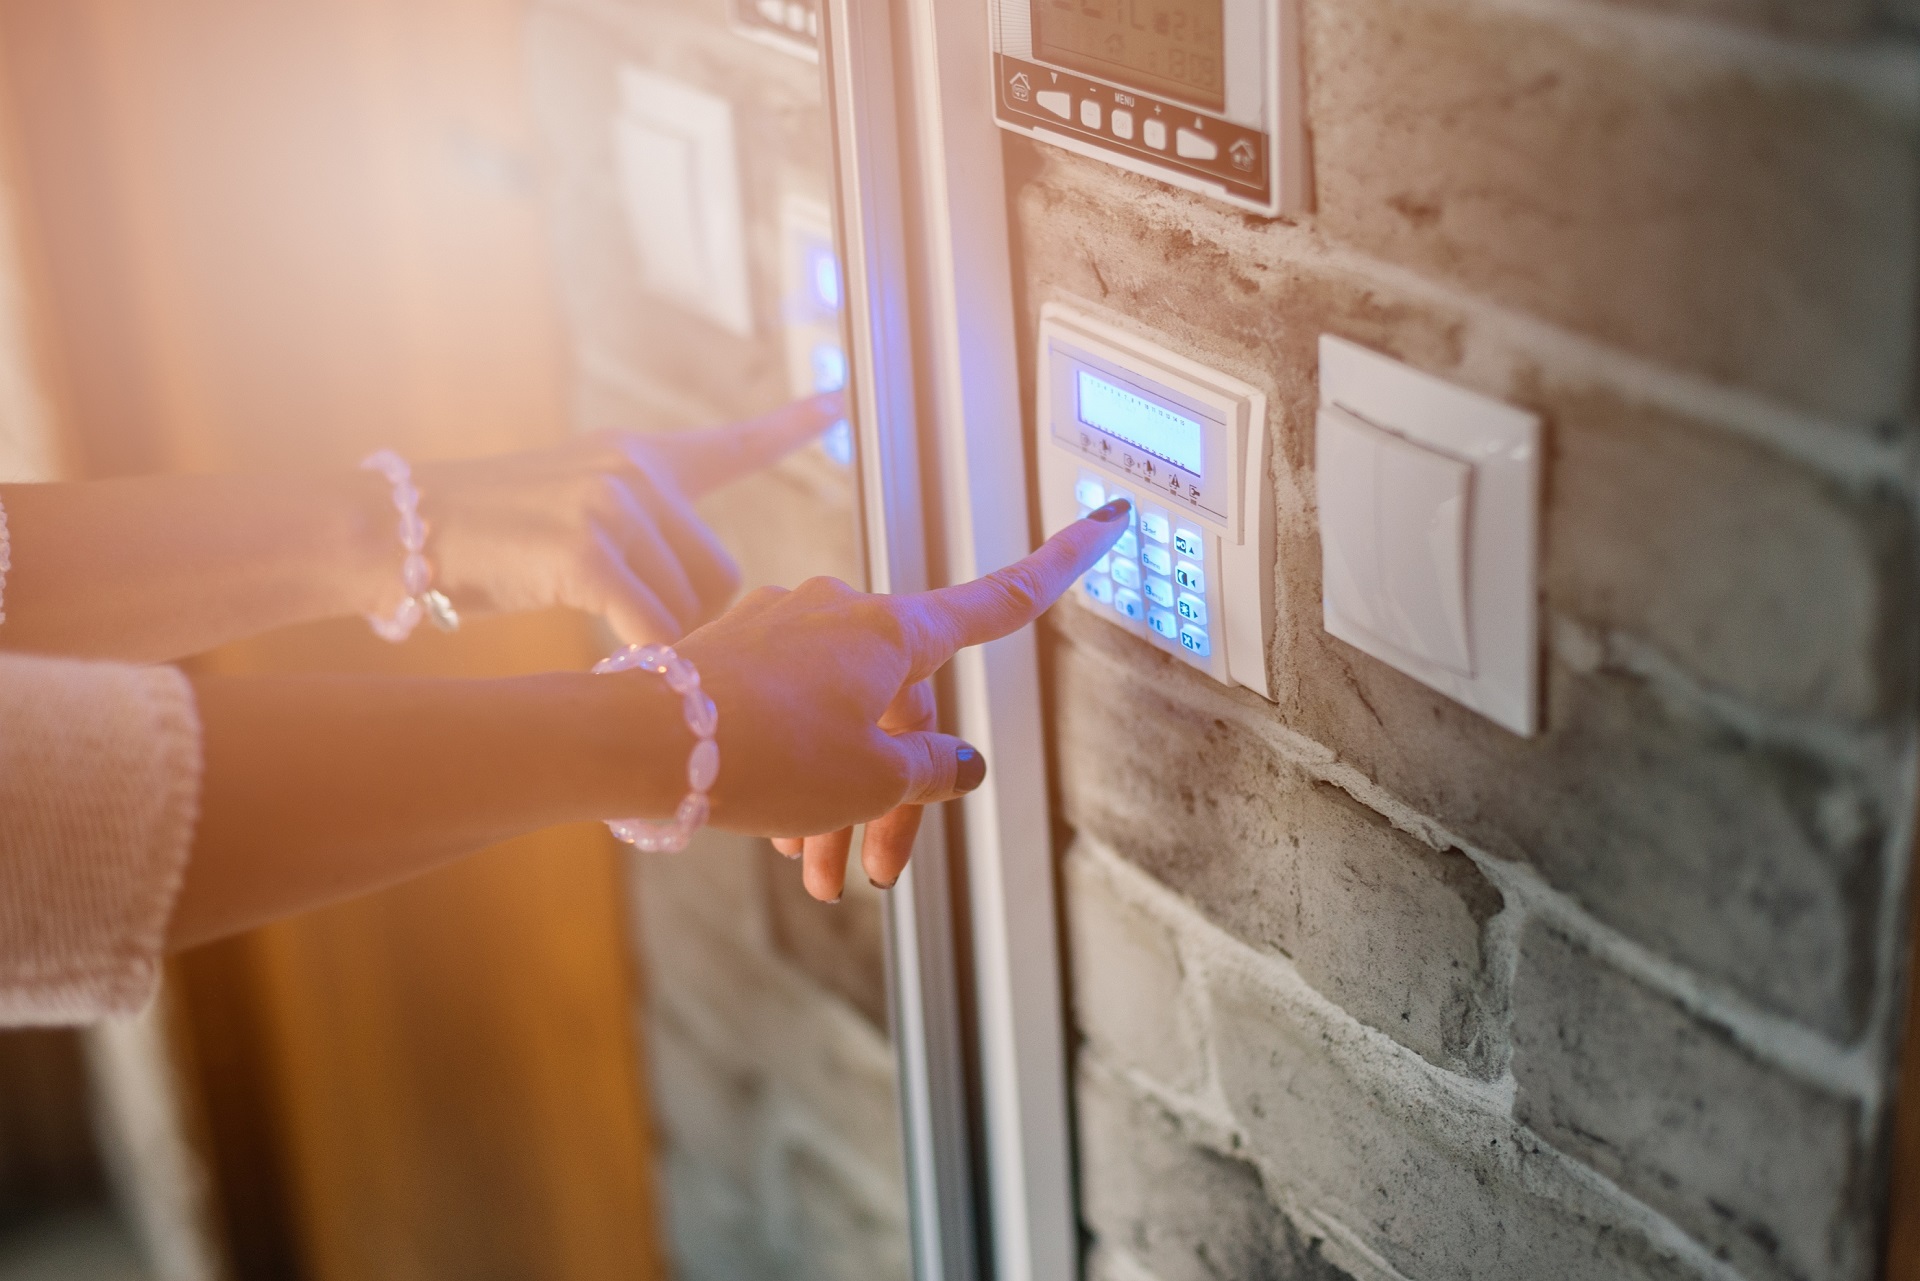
{"points": [[1155, 574]]}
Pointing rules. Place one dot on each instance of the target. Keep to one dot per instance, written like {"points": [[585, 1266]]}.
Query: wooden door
{"points": [[281, 235]]}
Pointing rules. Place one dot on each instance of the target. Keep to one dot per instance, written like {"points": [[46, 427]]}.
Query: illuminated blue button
{"points": [[1194, 640], [1103, 565], [1100, 587], [1163, 621], [1156, 559], [1090, 493], [1188, 575], [1154, 525], [1193, 609], [1160, 592], [1128, 603], [1128, 546], [1126, 573], [1188, 542]]}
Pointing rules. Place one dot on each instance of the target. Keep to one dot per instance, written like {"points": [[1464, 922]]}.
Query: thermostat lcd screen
{"points": [[1140, 422], [1175, 47]]}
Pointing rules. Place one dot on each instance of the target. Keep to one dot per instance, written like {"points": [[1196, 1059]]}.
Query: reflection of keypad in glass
{"points": [[1155, 572]]}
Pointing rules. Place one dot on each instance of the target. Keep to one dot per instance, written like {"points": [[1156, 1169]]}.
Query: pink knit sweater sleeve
{"points": [[99, 790]]}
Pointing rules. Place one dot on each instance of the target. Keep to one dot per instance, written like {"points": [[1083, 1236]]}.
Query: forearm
{"points": [[158, 568], [320, 788]]}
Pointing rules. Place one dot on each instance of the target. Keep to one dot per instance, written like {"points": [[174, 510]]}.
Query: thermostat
{"points": [[1204, 94], [1123, 417]]}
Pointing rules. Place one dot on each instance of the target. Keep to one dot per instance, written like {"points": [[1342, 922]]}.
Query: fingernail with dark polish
{"points": [[972, 769], [883, 887], [1114, 510]]}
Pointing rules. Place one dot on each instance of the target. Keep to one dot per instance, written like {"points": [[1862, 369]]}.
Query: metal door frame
{"points": [[946, 486]]}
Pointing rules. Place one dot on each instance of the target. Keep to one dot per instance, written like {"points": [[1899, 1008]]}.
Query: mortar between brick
{"points": [[1851, 1070], [1499, 341], [1451, 1100]]}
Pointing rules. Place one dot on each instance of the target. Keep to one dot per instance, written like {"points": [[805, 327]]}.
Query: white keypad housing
{"points": [[1193, 573]]}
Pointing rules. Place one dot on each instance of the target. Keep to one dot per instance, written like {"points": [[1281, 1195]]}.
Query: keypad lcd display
{"points": [[1140, 422], [1176, 47]]}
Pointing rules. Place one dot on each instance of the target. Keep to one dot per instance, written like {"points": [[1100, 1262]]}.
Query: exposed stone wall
{"points": [[764, 1015], [1365, 986]]}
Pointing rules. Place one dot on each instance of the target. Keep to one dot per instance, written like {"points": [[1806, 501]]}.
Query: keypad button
{"points": [[1194, 641], [1060, 104], [1154, 134], [1128, 603], [1154, 525], [1103, 565], [1090, 114], [1163, 622], [1100, 587], [1126, 573], [1089, 493], [1195, 146], [1128, 546], [1188, 541], [1188, 575], [1159, 591], [1156, 559], [1133, 506], [1193, 609], [1122, 124]]}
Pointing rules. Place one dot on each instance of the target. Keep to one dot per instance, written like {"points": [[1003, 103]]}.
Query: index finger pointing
{"points": [[707, 458], [949, 619]]}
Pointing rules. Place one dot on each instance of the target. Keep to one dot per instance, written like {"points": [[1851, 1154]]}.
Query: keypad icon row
{"points": [[1156, 571]]}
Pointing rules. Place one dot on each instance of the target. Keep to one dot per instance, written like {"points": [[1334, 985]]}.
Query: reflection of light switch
{"points": [[1393, 526], [1428, 498], [679, 179]]}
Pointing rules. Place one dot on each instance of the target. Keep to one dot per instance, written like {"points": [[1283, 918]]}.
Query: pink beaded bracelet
{"points": [[416, 571], [703, 763]]}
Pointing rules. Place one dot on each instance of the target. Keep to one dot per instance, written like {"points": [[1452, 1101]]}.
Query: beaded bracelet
{"points": [[6, 561], [703, 763], [416, 571]]}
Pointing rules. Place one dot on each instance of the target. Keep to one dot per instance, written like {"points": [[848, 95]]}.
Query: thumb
{"points": [[939, 767]]}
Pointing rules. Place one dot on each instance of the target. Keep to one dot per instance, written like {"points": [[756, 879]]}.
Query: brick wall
{"points": [[764, 1012], [1364, 986]]}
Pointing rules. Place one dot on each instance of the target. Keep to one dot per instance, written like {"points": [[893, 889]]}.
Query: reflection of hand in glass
{"points": [[605, 523], [156, 568]]}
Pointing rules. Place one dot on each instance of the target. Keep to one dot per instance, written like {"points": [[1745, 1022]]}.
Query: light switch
{"points": [[1393, 528], [680, 182], [1429, 500]]}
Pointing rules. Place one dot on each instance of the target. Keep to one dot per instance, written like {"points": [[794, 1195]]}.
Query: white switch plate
{"points": [[1443, 462], [1216, 521], [680, 182]]}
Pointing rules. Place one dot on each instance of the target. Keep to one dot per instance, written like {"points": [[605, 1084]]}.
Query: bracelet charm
{"points": [[703, 762], [416, 571]]}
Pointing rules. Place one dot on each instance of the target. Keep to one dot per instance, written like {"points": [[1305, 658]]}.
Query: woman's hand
{"points": [[825, 712], [604, 523]]}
